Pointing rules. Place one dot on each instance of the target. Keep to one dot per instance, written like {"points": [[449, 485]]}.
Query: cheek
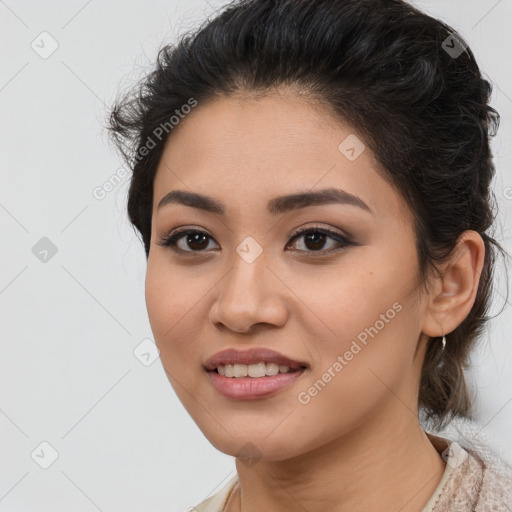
{"points": [[351, 297], [172, 302], [365, 367], [371, 328]]}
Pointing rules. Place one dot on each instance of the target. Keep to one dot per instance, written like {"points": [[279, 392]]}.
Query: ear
{"points": [[453, 294]]}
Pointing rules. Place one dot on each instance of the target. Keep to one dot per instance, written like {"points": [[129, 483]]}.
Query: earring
{"points": [[443, 341]]}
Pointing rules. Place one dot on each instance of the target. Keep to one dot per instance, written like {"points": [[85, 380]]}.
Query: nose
{"points": [[248, 295]]}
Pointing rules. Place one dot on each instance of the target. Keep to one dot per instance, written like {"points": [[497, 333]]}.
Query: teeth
{"points": [[256, 370], [252, 370], [240, 370], [272, 368]]}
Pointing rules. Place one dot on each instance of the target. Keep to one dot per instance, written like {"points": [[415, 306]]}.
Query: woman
{"points": [[311, 180]]}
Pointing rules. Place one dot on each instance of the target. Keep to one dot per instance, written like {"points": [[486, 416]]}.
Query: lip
{"points": [[249, 388], [251, 356]]}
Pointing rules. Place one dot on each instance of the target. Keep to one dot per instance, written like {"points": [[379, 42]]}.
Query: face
{"points": [[341, 299]]}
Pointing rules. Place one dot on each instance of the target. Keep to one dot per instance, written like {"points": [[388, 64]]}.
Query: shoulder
{"points": [[496, 490], [479, 481], [216, 502]]}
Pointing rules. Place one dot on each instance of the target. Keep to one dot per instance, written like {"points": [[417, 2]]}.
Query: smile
{"points": [[252, 388]]}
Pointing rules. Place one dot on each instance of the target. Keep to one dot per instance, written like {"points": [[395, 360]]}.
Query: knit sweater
{"points": [[475, 479], [480, 480]]}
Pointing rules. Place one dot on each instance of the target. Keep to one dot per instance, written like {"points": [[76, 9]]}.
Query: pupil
{"points": [[194, 239], [315, 238]]}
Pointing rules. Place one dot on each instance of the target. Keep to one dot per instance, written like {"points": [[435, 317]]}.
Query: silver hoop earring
{"points": [[443, 341]]}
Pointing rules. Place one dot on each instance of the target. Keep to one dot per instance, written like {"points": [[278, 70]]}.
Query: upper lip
{"points": [[250, 356]]}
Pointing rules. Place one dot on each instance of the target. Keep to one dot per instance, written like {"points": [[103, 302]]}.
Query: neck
{"points": [[380, 465]]}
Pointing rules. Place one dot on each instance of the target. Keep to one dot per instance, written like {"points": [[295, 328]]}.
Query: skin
{"points": [[357, 445]]}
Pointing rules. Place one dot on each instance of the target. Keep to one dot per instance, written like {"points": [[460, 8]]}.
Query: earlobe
{"points": [[454, 291]]}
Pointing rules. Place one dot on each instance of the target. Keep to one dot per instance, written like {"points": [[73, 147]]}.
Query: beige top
{"points": [[451, 451]]}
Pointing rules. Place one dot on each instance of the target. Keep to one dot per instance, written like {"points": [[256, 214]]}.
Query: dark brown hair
{"points": [[403, 80]]}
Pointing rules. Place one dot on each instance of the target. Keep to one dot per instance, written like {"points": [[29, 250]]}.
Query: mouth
{"points": [[252, 374]]}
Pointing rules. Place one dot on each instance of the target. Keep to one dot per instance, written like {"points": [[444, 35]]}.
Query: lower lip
{"points": [[250, 388]]}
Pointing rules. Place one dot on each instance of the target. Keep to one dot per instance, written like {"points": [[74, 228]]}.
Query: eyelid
{"points": [[329, 231]]}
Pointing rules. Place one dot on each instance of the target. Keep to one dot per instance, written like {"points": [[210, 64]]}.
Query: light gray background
{"points": [[68, 374]]}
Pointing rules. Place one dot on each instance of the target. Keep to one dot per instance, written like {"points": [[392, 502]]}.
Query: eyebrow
{"points": [[276, 206]]}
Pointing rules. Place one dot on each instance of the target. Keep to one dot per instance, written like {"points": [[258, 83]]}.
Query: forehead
{"points": [[274, 126], [260, 146]]}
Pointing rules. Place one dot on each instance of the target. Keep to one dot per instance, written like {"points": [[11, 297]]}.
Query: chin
{"points": [[255, 445]]}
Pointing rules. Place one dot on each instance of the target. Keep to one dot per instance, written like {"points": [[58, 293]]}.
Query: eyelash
{"points": [[343, 242]]}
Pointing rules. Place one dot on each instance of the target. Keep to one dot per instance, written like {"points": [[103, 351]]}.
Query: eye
{"points": [[314, 240], [194, 238]]}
